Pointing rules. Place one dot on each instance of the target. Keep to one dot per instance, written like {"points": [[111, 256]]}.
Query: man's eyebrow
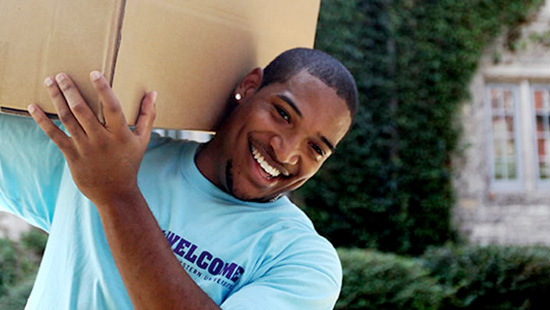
{"points": [[327, 142], [295, 108], [290, 103]]}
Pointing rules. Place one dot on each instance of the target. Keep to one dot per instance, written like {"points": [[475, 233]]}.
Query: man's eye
{"points": [[283, 114], [317, 149]]}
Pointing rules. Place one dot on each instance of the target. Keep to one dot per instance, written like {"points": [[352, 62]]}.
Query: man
{"points": [[234, 240]]}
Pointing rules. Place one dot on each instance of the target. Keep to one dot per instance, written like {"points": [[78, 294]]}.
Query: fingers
{"points": [[63, 112], [146, 117], [114, 117], [79, 119], [77, 104], [57, 135]]}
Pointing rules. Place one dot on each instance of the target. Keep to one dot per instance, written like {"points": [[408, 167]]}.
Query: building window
{"points": [[502, 100], [541, 106]]}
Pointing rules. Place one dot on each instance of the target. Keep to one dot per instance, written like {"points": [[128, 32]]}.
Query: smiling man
{"points": [[277, 138], [156, 223]]}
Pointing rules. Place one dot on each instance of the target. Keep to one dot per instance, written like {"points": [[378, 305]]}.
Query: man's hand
{"points": [[104, 160]]}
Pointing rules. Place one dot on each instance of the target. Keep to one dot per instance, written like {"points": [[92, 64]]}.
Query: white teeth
{"points": [[274, 172]]}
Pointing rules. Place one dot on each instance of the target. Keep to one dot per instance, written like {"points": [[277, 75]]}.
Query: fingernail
{"points": [[95, 75], [31, 108], [60, 77], [154, 95], [48, 82]]}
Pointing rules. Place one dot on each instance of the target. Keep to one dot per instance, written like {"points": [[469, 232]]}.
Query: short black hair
{"points": [[320, 65]]}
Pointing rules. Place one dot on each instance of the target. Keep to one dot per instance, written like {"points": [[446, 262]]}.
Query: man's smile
{"points": [[260, 159]]}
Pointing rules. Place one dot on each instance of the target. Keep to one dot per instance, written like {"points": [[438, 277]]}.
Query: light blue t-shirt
{"points": [[244, 255]]}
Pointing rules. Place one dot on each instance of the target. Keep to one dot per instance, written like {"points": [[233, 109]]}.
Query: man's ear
{"points": [[250, 83]]}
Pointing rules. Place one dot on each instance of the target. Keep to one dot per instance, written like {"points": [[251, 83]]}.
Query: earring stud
{"points": [[238, 96]]}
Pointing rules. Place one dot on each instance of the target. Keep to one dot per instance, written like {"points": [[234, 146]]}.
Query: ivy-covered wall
{"points": [[388, 186]]}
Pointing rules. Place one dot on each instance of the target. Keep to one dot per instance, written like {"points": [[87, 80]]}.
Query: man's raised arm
{"points": [[104, 163]]}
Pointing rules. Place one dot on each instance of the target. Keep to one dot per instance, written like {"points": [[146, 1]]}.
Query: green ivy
{"points": [[389, 184]]}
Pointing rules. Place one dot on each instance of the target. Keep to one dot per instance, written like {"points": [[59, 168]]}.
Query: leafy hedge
{"points": [[373, 280], [503, 278], [8, 262], [447, 278], [18, 267], [389, 184]]}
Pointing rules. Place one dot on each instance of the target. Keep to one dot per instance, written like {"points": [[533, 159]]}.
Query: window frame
{"points": [[506, 185], [540, 184]]}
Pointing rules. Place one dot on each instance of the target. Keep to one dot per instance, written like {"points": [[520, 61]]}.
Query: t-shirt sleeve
{"points": [[307, 276], [31, 167]]}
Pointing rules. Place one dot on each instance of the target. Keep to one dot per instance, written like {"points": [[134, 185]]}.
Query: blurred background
{"points": [[439, 197]]}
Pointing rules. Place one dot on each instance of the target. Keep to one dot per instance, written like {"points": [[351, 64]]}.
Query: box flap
{"points": [[194, 52], [40, 38]]}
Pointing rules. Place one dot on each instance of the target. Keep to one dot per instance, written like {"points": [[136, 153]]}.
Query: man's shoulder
{"points": [[295, 225], [295, 246], [294, 216]]}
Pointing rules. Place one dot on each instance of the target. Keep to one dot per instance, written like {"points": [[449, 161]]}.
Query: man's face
{"points": [[277, 137]]}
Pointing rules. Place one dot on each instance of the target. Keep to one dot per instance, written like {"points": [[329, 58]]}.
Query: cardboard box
{"points": [[192, 52]]}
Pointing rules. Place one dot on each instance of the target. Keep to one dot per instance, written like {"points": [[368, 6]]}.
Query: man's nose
{"points": [[287, 149]]}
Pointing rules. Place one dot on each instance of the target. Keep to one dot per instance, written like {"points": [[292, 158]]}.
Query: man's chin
{"points": [[265, 199], [244, 194], [251, 198]]}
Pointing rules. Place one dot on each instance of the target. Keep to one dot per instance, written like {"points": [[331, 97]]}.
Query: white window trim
{"points": [[524, 76], [527, 146], [517, 185], [540, 184]]}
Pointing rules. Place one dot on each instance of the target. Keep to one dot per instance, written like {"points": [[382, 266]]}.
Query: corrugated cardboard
{"points": [[192, 52]]}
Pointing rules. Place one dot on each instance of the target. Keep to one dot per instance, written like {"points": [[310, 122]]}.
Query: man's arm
{"points": [[104, 162]]}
